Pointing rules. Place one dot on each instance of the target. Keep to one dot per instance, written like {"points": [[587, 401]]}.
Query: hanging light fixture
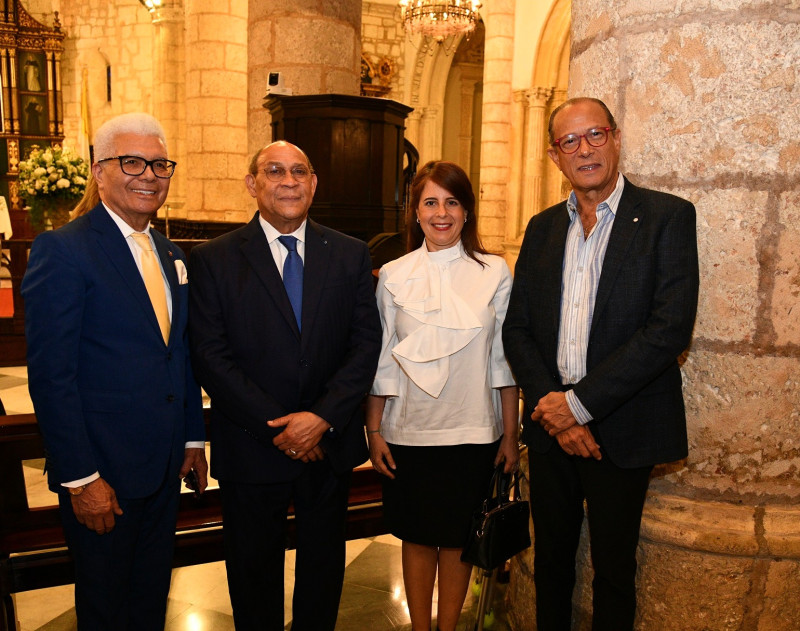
{"points": [[151, 5], [439, 21]]}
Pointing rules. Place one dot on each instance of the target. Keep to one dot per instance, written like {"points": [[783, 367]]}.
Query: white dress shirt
{"points": [[583, 263], [442, 358], [279, 251]]}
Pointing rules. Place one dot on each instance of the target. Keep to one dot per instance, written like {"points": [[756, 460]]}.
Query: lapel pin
{"points": [[635, 219], [170, 251]]}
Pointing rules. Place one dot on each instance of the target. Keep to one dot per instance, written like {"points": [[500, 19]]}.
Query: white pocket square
{"points": [[183, 276]]}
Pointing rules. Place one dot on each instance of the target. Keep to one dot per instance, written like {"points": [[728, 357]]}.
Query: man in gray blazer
{"points": [[603, 304]]}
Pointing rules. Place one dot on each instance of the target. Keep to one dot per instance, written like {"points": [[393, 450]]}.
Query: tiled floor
{"points": [[373, 596]]}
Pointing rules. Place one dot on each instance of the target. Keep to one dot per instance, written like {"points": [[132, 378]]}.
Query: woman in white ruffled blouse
{"points": [[443, 409]]}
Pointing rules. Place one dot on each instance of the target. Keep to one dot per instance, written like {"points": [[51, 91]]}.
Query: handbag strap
{"points": [[502, 483]]}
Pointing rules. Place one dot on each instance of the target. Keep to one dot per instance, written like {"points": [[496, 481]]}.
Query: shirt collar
{"points": [[611, 203], [272, 233], [124, 227], [444, 256]]}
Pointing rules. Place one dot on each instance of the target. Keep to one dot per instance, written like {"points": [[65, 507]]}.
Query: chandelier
{"points": [[439, 21]]}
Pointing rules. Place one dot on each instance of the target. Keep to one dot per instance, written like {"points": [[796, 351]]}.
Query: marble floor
{"points": [[373, 597]]}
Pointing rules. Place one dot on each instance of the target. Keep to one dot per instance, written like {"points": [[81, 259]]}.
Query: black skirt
{"points": [[436, 490]]}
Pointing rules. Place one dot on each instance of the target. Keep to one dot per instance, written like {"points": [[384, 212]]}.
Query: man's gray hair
{"points": [[137, 123]]}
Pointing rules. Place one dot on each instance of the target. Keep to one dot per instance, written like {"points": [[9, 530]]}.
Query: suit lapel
{"points": [[111, 241], [316, 265], [255, 249], [626, 225], [555, 247]]}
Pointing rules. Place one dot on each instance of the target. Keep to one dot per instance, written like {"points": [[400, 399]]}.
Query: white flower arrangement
{"points": [[51, 178]]}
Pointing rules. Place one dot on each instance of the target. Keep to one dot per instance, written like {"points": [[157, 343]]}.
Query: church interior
{"points": [[707, 95]]}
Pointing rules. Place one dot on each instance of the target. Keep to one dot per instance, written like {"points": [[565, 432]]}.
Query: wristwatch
{"points": [[76, 490]]}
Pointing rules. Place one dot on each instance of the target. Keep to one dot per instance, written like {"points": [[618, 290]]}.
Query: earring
{"points": [[465, 217], [417, 219]]}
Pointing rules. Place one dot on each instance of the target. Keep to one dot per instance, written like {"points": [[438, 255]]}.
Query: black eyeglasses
{"points": [[596, 137], [134, 165], [276, 173]]}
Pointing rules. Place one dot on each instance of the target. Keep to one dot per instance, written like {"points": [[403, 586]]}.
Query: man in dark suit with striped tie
{"points": [[603, 303], [285, 339]]}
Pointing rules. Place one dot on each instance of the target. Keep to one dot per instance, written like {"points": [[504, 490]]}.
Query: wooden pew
{"points": [[33, 554]]}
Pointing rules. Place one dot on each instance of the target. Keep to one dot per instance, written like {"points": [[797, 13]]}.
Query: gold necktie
{"points": [[153, 281]]}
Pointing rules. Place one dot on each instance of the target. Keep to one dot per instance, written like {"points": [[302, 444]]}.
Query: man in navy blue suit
{"points": [[603, 304], [106, 304], [285, 338]]}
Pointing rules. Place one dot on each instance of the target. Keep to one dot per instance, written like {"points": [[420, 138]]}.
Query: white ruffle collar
{"points": [[447, 322]]}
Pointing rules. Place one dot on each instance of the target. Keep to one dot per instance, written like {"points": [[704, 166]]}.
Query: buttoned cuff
{"points": [[581, 414], [76, 483]]}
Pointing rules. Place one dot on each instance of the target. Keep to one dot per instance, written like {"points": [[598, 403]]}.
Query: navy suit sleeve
{"points": [[670, 305], [345, 389], [54, 292]]}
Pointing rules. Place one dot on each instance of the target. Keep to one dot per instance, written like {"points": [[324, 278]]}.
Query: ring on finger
{"points": [[293, 452]]}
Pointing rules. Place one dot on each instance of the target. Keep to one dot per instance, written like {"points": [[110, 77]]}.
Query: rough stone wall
{"points": [[708, 105], [118, 34], [382, 36]]}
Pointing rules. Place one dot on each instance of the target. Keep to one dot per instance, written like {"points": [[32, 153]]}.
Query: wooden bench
{"points": [[33, 554]]}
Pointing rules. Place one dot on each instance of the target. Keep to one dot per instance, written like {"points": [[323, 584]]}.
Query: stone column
{"points": [[430, 131], [706, 96], [216, 110], [496, 130], [169, 94], [533, 200], [317, 49]]}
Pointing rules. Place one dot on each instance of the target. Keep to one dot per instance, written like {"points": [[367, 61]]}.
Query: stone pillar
{"points": [[706, 97], [169, 94], [515, 217], [496, 129], [216, 110], [533, 199], [317, 49], [430, 131]]}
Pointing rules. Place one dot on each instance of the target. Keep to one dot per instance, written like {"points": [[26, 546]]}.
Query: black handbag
{"points": [[499, 528]]}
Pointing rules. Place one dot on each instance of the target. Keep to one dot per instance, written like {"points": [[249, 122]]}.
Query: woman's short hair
{"points": [[137, 123], [453, 179]]}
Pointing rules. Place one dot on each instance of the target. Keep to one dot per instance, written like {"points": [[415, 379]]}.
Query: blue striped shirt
{"points": [[583, 263]]}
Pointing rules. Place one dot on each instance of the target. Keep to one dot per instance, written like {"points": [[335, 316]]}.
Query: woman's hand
{"points": [[508, 453], [381, 455]]}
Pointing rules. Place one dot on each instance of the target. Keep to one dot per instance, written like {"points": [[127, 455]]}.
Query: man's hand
{"points": [[553, 413], [96, 506], [300, 438], [578, 441], [195, 458]]}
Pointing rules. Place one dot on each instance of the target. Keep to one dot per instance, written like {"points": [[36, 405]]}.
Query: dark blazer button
{"points": [[170, 398]]}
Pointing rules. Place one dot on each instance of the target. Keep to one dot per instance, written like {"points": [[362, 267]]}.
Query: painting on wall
{"points": [[32, 72], [34, 120]]}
